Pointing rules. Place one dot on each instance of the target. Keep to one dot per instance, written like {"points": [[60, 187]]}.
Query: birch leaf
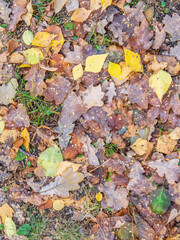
{"points": [[33, 55], [114, 70], [160, 83], [133, 60], [59, 4], [43, 39], [77, 72], [63, 184], [95, 63], [9, 227]]}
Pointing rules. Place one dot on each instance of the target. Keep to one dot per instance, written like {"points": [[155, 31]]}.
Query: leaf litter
{"points": [[106, 76]]}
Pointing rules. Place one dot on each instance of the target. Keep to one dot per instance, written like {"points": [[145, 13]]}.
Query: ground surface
{"points": [[90, 120]]}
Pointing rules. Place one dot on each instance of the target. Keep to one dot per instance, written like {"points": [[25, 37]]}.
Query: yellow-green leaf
{"points": [[26, 138], [2, 125], [33, 55], [9, 227], [99, 196], [160, 83], [114, 70], [95, 63], [27, 37], [50, 160], [77, 71], [133, 60], [43, 39]]}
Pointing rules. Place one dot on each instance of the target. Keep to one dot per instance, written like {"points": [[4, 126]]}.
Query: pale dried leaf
{"points": [[27, 17], [111, 92], [160, 35], [72, 5], [63, 184], [58, 5], [172, 26], [173, 214], [4, 11], [175, 51], [7, 92], [166, 144]]}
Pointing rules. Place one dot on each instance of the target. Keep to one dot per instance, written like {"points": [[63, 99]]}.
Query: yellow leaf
{"points": [[105, 4], [24, 66], [80, 15], [2, 125], [95, 63], [160, 83], [114, 70], [125, 71], [99, 196], [26, 138], [9, 227], [33, 55], [57, 43], [58, 205], [142, 147], [43, 39], [175, 134], [165, 144], [77, 72], [133, 60], [6, 211], [95, 4], [27, 17]]}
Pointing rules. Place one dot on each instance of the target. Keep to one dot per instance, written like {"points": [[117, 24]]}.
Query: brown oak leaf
{"points": [[18, 9], [56, 90], [35, 81], [58, 61]]}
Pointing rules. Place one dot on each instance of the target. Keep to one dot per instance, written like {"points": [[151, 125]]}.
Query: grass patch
{"points": [[37, 109]]}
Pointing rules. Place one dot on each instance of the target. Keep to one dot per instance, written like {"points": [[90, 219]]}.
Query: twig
{"points": [[26, 153]]}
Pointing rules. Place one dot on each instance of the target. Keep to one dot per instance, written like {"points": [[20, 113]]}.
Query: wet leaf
{"points": [[9, 227], [95, 63], [63, 184], [159, 200], [160, 83], [33, 55], [50, 160], [133, 60], [28, 37], [128, 231]]}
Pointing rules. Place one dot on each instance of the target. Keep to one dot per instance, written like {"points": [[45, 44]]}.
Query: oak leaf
{"points": [[172, 26], [4, 11], [63, 184], [133, 60], [166, 144], [142, 147]]}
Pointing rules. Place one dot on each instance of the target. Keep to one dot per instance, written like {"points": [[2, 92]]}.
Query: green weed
{"points": [[111, 148]]}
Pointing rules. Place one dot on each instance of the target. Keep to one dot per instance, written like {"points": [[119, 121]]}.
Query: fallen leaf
{"points": [[128, 231], [105, 4], [125, 71], [95, 4], [95, 63], [175, 134], [33, 55], [26, 138], [9, 227], [18, 9], [77, 72], [16, 58], [172, 26], [175, 51], [27, 17], [58, 62], [72, 5], [8, 91], [58, 205], [160, 35], [133, 60], [149, 13], [168, 168], [63, 184], [111, 92], [114, 197], [165, 144], [50, 160], [43, 39], [58, 5], [92, 97], [142, 147], [99, 196], [80, 15], [156, 66], [11, 45], [5, 11], [63, 166], [6, 211], [7, 134], [114, 70], [160, 83], [173, 214], [2, 125], [28, 37]]}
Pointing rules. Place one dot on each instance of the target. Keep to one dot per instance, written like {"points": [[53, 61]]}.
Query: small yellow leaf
{"points": [[26, 138], [125, 71], [160, 83], [43, 39], [80, 15], [33, 55], [24, 66], [57, 43], [2, 125], [95, 63], [175, 134], [142, 147], [165, 144], [99, 196], [6, 211], [77, 72], [95, 4], [9, 227], [105, 4], [133, 60], [114, 70], [58, 205]]}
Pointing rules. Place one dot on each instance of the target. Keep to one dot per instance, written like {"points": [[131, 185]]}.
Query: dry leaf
{"points": [[149, 13], [26, 138], [173, 214], [58, 5], [142, 147], [63, 166], [58, 205], [6, 211], [175, 51], [43, 39], [27, 17], [33, 55], [165, 144], [175, 134], [11, 45], [77, 72], [160, 35], [133, 60], [111, 92], [9, 227], [172, 26], [105, 4], [8, 91], [95, 4], [95, 63], [4, 11], [80, 15], [63, 184], [156, 66]]}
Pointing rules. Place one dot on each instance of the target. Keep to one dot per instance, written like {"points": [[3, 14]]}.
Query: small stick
{"points": [[26, 153]]}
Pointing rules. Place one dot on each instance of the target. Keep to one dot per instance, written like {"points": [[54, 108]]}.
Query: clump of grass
{"points": [[37, 109]]}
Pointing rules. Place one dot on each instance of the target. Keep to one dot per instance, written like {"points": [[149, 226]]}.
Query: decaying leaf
{"points": [[4, 11], [142, 147], [33, 55], [11, 45], [168, 168], [7, 92], [77, 72], [160, 83], [175, 51], [166, 144], [18, 9], [160, 35], [92, 97], [111, 92], [59, 5], [50, 160], [6, 211], [95, 63], [133, 60], [172, 26], [128, 231], [80, 15], [27, 17], [63, 184], [114, 197]]}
